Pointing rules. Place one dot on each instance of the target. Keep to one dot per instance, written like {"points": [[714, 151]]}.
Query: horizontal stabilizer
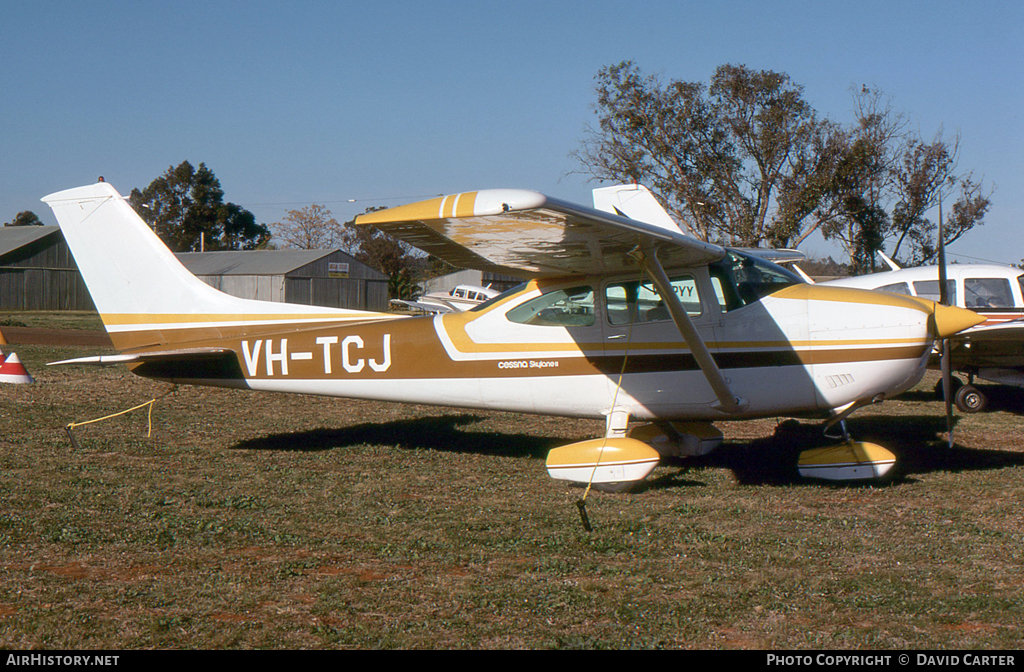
{"points": [[185, 354]]}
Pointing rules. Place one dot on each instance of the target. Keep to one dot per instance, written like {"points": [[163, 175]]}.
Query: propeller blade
{"points": [[947, 388], [943, 289], [947, 374]]}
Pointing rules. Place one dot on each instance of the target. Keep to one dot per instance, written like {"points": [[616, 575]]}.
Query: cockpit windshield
{"points": [[740, 279]]}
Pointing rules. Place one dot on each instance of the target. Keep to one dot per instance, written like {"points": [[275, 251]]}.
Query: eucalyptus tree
{"points": [[746, 160], [719, 156], [185, 207]]}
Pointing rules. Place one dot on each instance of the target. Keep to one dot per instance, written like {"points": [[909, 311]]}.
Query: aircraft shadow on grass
{"points": [[442, 432], [918, 441]]}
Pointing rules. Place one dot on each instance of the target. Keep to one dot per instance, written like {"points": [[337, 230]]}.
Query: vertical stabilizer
{"points": [[126, 267], [138, 285], [889, 262], [636, 202]]}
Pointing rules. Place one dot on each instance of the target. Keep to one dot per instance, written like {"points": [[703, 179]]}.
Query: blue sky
{"points": [[293, 103]]}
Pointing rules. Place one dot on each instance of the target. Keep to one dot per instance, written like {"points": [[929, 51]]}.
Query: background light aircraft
{"points": [[618, 319], [456, 300], [992, 350]]}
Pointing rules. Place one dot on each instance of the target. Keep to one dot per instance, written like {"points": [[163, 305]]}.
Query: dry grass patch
{"points": [[276, 521]]}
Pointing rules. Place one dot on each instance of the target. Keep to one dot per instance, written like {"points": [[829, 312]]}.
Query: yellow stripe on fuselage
{"points": [[140, 319], [810, 292]]}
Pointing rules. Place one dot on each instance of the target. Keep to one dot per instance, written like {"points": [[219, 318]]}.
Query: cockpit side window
{"points": [[640, 302], [929, 289], [987, 293], [572, 307], [741, 279]]}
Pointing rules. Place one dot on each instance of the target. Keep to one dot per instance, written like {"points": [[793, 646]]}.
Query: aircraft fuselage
{"points": [[798, 350]]}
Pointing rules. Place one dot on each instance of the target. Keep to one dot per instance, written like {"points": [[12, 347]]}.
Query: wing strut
{"points": [[727, 400]]}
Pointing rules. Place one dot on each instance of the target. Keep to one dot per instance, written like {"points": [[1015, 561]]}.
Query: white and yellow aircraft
{"points": [[992, 350], [619, 319], [455, 300]]}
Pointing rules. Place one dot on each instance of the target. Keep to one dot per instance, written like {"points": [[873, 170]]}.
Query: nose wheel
{"points": [[970, 399], [966, 397]]}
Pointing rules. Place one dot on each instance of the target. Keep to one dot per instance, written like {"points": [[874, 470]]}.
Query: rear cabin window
{"points": [[987, 293], [640, 302], [559, 308], [929, 289]]}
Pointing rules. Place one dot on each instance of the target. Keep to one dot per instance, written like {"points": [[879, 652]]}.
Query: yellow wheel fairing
{"points": [[613, 460], [847, 461]]}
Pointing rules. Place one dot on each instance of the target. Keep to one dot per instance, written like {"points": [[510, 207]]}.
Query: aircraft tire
{"points": [[970, 399], [954, 387]]}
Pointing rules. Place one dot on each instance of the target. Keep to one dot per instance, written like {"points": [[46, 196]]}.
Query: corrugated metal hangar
{"points": [[37, 272], [312, 277]]}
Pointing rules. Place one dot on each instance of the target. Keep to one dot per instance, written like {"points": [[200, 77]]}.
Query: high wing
{"points": [[777, 256], [529, 235]]}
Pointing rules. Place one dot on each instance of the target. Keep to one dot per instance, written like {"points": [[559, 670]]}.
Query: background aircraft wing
{"points": [[529, 235], [1012, 330], [778, 256], [426, 307]]}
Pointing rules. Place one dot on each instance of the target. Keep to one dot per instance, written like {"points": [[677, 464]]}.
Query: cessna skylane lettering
{"points": [[618, 319]]}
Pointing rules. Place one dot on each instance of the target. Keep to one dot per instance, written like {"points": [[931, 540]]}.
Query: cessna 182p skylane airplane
{"points": [[619, 319]]}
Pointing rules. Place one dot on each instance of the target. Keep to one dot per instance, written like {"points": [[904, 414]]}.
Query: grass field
{"points": [[259, 520]]}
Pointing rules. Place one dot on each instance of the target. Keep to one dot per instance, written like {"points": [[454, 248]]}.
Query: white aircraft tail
{"points": [[137, 283], [636, 202], [889, 262]]}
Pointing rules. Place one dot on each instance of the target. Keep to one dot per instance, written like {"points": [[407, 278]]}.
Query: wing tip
{"points": [[481, 203]]}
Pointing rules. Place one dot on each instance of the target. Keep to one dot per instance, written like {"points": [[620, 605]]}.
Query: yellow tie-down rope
{"points": [[581, 504], [149, 418]]}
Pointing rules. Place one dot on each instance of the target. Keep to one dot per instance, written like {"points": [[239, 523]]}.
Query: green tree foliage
{"points": [[398, 260], [25, 218], [186, 208], [746, 160], [715, 155], [887, 180]]}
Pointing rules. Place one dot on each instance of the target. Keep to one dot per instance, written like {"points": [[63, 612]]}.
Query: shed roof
{"points": [[249, 262], [15, 237]]}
